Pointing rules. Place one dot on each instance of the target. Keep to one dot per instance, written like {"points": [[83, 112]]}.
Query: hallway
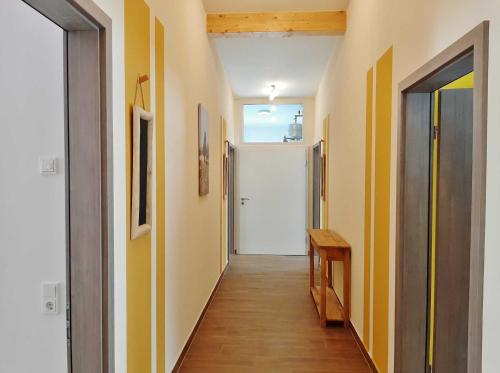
{"points": [[262, 319], [169, 165]]}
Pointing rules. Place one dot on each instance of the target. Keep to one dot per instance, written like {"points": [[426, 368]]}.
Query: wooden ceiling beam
{"points": [[252, 24]]}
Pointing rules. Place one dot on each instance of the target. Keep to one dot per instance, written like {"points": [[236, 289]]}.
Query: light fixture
{"points": [[264, 112], [273, 93]]}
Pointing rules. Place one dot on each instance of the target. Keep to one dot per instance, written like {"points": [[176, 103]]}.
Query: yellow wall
{"points": [[137, 61], [375, 25], [160, 193], [383, 107], [368, 209], [193, 74]]}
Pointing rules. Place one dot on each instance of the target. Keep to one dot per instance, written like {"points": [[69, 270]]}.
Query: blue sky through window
{"points": [[268, 123]]}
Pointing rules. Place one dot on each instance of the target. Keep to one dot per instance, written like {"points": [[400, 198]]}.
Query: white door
{"points": [[272, 200]]}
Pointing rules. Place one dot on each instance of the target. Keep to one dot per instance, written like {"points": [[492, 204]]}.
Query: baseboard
{"points": [[185, 350], [361, 346]]}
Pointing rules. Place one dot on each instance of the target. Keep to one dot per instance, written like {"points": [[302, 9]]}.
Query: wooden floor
{"points": [[263, 319]]}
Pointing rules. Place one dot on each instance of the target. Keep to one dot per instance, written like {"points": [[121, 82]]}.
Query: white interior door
{"points": [[272, 200]]}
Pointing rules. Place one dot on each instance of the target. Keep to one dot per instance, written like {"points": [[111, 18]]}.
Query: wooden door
{"points": [[412, 295], [317, 186], [453, 235], [86, 259]]}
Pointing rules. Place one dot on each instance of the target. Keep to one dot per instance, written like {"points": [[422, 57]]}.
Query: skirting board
{"points": [[196, 327], [361, 346]]}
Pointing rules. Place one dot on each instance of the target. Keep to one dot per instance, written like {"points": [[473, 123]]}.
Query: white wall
{"points": [[193, 74], [418, 30], [32, 207]]}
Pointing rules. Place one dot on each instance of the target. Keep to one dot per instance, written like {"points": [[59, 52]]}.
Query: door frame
{"points": [[223, 199], [231, 192], [441, 70], [89, 181]]}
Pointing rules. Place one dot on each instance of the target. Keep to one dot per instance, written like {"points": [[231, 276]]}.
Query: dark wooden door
{"points": [[317, 186], [412, 295], [230, 199], [86, 260], [453, 235]]}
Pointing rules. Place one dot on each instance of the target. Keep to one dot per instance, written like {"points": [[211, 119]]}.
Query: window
{"points": [[272, 123]]}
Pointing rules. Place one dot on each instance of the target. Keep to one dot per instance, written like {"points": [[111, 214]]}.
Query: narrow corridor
{"points": [[262, 319]]}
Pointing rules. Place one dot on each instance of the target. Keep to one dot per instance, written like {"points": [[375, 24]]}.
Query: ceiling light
{"points": [[264, 112], [273, 93]]}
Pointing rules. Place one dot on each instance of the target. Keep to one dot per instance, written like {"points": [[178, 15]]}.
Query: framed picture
{"points": [[203, 151], [142, 149]]}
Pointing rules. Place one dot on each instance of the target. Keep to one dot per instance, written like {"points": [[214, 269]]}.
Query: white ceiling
{"points": [[232, 6], [295, 64]]}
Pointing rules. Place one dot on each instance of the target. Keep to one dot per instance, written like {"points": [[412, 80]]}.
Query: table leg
{"points": [[311, 265], [330, 274], [322, 299], [347, 288]]}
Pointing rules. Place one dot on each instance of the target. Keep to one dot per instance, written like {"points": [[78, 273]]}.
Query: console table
{"points": [[331, 247]]}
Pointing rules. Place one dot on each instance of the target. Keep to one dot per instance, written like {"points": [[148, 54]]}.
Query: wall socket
{"points": [[50, 298]]}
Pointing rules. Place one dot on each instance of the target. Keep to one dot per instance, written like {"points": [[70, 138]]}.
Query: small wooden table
{"points": [[330, 247]]}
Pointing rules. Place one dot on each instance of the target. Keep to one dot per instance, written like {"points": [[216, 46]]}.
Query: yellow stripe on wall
{"points": [[368, 208], [383, 104], [137, 61], [160, 193]]}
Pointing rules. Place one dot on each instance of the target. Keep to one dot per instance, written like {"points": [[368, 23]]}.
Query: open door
{"points": [[89, 186], [441, 209], [453, 230], [317, 185]]}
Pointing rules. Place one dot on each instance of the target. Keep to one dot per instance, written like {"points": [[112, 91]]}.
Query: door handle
{"points": [[243, 199]]}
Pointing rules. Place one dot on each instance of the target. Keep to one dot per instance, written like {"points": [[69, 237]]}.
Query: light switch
{"points": [[47, 165], [50, 299], [49, 289]]}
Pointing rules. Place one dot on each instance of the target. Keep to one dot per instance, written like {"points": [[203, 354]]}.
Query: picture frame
{"points": [[203, 152], [142, 157]]}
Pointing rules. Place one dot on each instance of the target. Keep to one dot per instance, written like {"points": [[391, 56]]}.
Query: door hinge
{"points": [[435, 132], [68, 324]]}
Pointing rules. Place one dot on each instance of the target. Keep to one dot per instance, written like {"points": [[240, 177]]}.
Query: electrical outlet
{"points": [[50, 294]]}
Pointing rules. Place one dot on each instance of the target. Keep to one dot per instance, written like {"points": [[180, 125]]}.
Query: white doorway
{"points": [[272, 199]]}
